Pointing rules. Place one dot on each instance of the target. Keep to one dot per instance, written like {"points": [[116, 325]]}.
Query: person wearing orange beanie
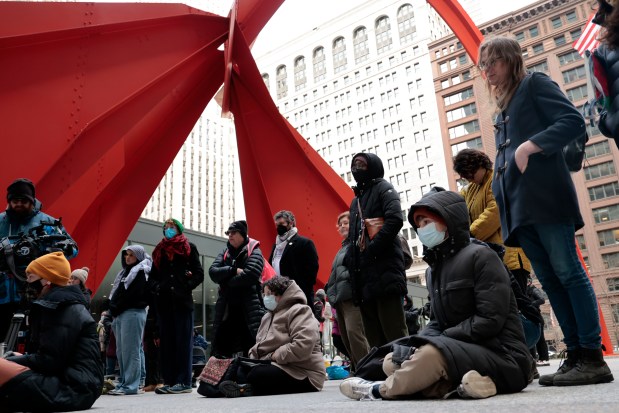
{"points": [[61, 370]]}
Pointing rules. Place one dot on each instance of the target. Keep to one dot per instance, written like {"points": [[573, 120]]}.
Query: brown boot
{"points": [[569, 363], [590, 369]]}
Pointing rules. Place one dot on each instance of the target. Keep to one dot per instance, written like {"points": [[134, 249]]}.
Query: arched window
{"points": [[339, 55], [282, 82], [265, 77], [299, 73], [383, 34], [320, 66], [360, 45], [406, 24]]}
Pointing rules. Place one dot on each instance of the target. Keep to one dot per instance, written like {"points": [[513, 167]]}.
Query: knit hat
{"points": [[81, 274], [52, 267], [425, 212], [238, 226], [21, 188], [179, 224]]}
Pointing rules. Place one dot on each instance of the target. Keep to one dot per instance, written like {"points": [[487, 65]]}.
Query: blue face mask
{"points": [[269, 302], [430, 236], [169, 232]]}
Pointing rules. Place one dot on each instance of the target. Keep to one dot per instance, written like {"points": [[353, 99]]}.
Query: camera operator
{"points": [[25, 234]]}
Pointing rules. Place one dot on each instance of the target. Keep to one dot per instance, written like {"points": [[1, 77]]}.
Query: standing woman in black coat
{"points": [[176, 272], [537, 200], [239, 308], [62, 370]]}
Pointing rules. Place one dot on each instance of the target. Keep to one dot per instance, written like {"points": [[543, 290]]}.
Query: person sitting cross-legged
{"points": [[473, 345], [287, 348]]}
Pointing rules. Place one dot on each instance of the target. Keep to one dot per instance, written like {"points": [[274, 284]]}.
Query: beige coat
{"points": [[289, 337], [486, 223]]}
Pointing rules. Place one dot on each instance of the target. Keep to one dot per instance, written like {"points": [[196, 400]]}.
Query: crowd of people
{"points": [[481, 245]]}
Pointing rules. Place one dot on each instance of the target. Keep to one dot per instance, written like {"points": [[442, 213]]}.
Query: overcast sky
{"points": [[296, 17]]}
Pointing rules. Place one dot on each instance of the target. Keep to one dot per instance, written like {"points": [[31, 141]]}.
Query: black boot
{"points": [[568, 364], [590, 369]]}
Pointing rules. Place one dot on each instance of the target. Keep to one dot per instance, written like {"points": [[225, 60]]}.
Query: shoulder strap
{"points": [[359, 208], [251, 245]]}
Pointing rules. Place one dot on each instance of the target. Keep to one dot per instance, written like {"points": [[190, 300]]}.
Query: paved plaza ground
{"points": [[602, 398]]}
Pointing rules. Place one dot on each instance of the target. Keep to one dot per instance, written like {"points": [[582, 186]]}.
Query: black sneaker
{"points": [[231, 388]]}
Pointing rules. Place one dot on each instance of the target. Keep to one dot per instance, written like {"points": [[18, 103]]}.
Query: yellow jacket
{"points": [[485, 222]]}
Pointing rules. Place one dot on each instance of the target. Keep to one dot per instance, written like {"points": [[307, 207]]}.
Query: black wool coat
{"points": [[474, 320], [66, 372], [299, 262], [239, 290], [609, 120], [171, 283], [378, 271], [545, 192]]}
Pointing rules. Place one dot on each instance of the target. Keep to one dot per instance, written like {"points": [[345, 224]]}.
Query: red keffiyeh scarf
{"points": [[177, 245]]}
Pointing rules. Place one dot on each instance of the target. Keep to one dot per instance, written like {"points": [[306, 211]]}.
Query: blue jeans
{"points": [[128, 328], [552, 251]]}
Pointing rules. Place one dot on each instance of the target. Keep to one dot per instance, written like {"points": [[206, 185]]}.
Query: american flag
{"points": [[588, 40]]}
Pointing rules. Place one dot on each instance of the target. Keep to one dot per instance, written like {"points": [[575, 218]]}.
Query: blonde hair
{"points": [[342, 216], [510, 52]]}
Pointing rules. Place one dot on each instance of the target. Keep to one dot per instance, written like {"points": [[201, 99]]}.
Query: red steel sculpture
{"points": [[97, 99]]}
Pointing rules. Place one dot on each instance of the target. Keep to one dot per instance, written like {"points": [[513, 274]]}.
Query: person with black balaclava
{"points": [[293, 255], [376, 262], [239, 308]]}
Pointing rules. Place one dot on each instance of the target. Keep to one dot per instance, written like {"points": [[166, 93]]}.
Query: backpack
{"points": [[268, 271], [574, 151], [406, 250]]}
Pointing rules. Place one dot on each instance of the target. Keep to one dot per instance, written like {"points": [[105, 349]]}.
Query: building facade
{"points": [[200, 187], [362, 82], [546, 31]]}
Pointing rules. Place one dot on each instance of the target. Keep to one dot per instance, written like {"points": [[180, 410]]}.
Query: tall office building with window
{"points": [[546, 31], [199, 187], [363, 82]]}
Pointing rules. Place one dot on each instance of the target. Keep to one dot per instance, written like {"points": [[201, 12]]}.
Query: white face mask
{"points": [[269, 302], [430, 236]]}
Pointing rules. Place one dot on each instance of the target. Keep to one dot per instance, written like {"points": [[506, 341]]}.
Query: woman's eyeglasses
{"points": [[487, 65]]}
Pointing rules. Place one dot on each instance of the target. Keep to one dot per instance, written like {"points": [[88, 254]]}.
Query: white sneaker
{"points": [[476, 386], [358, 389]]}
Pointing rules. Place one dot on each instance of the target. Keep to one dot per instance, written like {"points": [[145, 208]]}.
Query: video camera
{"points": [[17, 251]]}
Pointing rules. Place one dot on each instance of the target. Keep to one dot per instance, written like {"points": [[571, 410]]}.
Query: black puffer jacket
{"points": [[378, 271], [609, 120], [65, 366], [339, 287], [172, 283], [238, 290], [474, 320]]}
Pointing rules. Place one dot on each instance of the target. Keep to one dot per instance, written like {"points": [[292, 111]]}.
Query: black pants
{"points": [[267, 379], [339, 344], [176, 345], [6, 314], [541, 348]]}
